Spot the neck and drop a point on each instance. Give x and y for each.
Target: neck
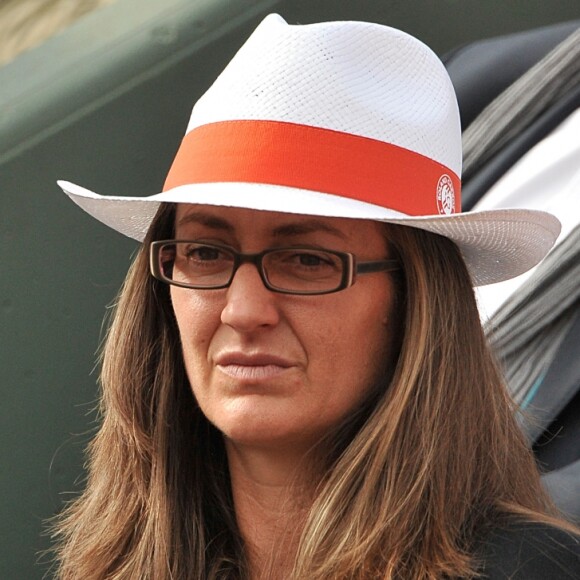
(272, 494)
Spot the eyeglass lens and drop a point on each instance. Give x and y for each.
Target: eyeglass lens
(291, 269)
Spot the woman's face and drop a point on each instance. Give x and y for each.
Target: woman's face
(278, 369)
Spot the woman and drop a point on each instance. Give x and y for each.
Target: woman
(295, 382)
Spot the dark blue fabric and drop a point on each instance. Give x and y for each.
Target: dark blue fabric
(530, 552)
(481, 70)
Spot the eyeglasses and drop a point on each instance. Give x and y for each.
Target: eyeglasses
(295, 270)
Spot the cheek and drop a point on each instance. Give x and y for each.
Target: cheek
(356, 346)
(366, 356)
(197, 321)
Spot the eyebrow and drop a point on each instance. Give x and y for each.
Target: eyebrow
(286, 230)
(206, 219)
(306, 227)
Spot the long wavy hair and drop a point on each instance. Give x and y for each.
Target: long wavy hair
(413, 479)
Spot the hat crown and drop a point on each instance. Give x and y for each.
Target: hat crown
(358, 78)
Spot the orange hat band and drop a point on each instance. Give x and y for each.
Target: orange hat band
(292, 155)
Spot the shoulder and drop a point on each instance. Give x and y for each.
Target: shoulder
(529, 551)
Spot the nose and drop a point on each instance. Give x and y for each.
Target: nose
(249, 304)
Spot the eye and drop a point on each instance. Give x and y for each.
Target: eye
(309, 259)
(312, 260)
(303, 261)
(195, 257)
(204, 253)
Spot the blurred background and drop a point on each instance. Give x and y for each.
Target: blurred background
(99, 92)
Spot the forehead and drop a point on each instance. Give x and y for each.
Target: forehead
(241, 220)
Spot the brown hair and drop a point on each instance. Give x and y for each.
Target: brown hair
(414, 479)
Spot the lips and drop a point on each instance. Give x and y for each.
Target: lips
(251, 360)
(252, 367)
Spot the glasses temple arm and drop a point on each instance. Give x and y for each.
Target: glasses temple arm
(378, 266)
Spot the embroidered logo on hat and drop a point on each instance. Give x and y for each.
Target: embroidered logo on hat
(445, 195)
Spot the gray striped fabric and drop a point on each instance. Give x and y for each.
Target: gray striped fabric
(530, 326)
(515, 108)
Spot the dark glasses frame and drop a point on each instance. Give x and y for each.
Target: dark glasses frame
(350, 267)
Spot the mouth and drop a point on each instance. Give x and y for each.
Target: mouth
(255, 367)
(252, 373)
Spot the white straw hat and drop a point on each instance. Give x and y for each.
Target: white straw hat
(342, 119)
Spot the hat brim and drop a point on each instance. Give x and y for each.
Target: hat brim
(496, 244)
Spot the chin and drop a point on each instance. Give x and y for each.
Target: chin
(265, 433)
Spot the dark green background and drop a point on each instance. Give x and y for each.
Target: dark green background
(104, 105)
